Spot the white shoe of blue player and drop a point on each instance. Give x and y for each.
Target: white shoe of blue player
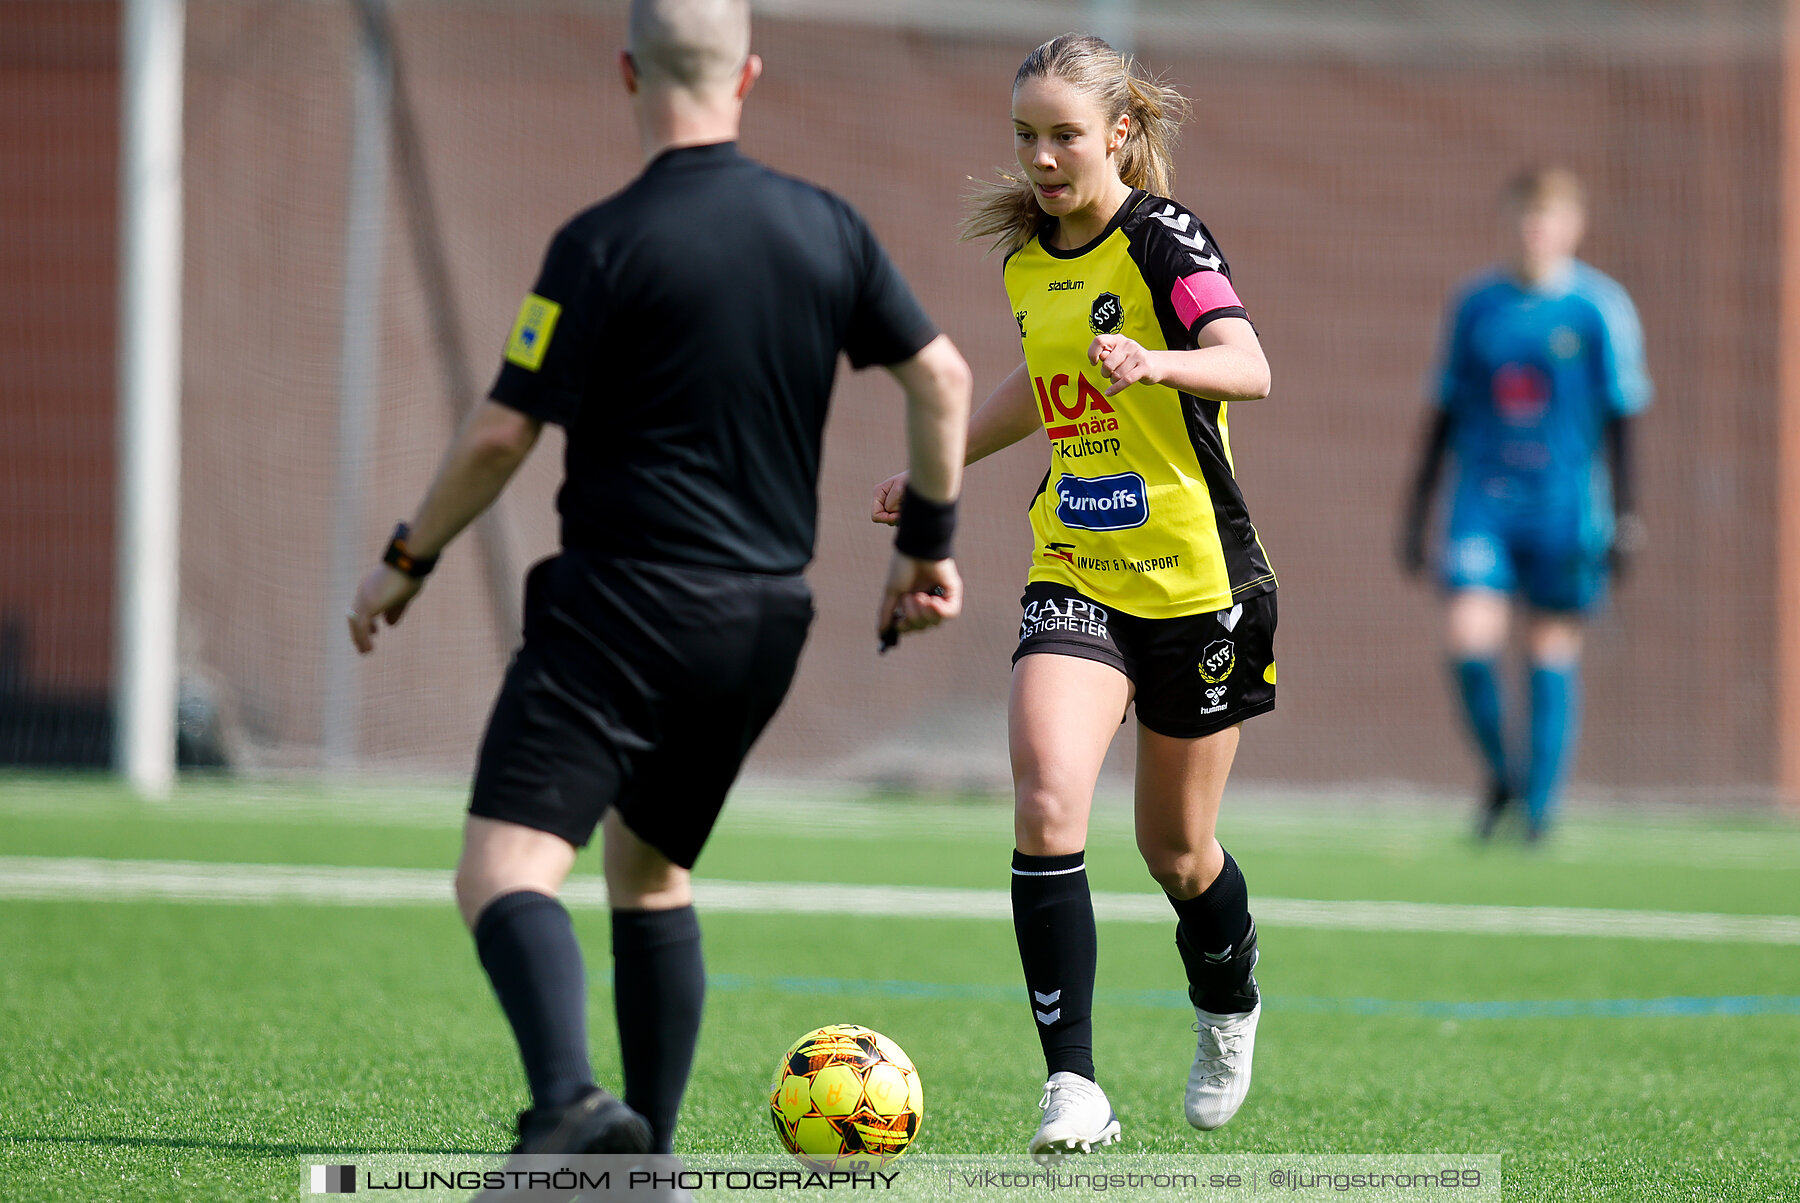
(1077, 1118)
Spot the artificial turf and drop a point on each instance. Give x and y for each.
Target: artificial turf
(174, 1050)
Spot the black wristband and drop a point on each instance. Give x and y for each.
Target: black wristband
(927, 527)
(397, 556)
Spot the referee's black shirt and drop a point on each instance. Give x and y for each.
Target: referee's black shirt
(685, 333)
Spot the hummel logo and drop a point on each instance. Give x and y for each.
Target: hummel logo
(1048, 1017)
(1215, 957)
(1229, 618)
(1047, 999)
(1196, 243)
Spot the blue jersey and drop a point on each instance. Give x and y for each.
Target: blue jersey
(1530, 378)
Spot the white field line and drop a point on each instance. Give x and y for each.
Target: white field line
(97, 880)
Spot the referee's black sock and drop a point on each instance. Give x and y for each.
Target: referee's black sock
(1053, 918)
(528, 947)
(659, 988)
(1217, 943)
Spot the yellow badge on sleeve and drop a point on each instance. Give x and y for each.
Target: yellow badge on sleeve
(531, 333)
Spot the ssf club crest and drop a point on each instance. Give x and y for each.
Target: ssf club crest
(1217, 661)
(1108, 314)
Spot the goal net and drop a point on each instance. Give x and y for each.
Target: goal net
(1348, 157)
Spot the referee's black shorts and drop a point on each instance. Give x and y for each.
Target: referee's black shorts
(1191, 676)
(640, 685)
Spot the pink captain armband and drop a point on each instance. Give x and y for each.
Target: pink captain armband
(1199, 294)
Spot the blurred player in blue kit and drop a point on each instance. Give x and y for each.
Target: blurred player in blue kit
(1541, 373)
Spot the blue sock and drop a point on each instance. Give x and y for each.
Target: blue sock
(1481, 707)
(1555, 726)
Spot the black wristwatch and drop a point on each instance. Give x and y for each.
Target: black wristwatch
(397, 556)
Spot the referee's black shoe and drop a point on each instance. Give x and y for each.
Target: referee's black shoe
(597, 1122)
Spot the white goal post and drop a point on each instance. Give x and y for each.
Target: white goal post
(149, 391)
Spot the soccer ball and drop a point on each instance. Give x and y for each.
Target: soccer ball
(846, 1098)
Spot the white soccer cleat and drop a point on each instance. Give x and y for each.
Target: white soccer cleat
(1220, 1078)
(1077, 1118)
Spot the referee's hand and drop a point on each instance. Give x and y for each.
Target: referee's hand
(384, 593)
(920, 594)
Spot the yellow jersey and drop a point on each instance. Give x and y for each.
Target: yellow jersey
(1140, 509)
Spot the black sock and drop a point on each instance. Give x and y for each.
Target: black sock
(527, 945)
(1053, 918)
(659, 987)
(1217, 943)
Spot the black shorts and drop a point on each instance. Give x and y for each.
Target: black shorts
(1193, 675)
(640, 685)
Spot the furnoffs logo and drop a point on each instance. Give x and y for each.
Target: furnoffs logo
(1102, 503)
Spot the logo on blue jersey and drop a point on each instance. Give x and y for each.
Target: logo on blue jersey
(1521, 393)
(1117, 502)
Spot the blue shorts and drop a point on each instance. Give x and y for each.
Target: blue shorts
(1547, 557)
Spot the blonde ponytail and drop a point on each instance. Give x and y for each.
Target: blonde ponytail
(1006, 211)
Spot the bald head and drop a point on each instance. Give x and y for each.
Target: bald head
(694, 44)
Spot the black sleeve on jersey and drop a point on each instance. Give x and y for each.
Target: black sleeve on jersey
(1224, 269)
(553, 391)
(888, 324)
(1171, 245)
(1432, 450)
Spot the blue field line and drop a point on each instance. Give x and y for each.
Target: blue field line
(1547, 1008)
(1523, 1008)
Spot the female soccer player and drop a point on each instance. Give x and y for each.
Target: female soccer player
(1148, 582)
(1543, 365)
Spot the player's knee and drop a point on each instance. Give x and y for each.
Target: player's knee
(479, 881)
(1561, 659)
(1181, 872)
(1477, 622)
(474, 890)
(638, 875)
(1047, 821)
(1556, 646)
(648, 887)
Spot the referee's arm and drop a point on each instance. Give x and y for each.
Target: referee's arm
(925, 590)
(487, 451)
(937, 383)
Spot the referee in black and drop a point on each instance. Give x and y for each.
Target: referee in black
(685, 333)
